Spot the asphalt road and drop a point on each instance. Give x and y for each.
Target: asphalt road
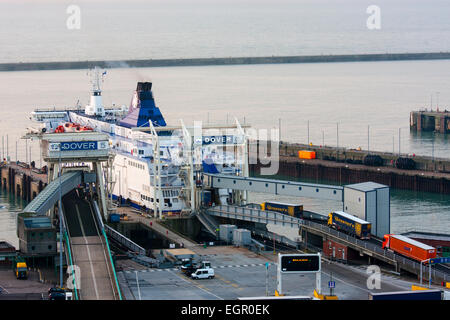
(239, 275)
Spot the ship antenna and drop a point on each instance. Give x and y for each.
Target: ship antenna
(97, 78)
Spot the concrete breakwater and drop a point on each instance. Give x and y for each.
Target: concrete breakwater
(345, 166)
(148, 63)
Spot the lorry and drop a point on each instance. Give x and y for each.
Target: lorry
(20, 268)
(350, 224)
(294, 210)
(408, 247)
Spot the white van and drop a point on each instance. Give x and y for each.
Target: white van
(207, 273)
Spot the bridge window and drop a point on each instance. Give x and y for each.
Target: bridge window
(249, 183)
(267, 185)
(317, 190)
(300, 188)
(234, 181)
(334, 191)
(282, 187)
(218, 180)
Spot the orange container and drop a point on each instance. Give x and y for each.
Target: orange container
(305, 154)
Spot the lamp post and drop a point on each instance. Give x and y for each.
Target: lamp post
(60, 223)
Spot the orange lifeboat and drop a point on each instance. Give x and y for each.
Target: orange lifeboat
(72, 127)
(59, 129)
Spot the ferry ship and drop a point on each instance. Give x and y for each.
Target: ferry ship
(151, 160)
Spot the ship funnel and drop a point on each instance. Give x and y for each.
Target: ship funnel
(142, 109)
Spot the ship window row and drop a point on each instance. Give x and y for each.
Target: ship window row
(136, 165)
(147, 198)
(170, 193)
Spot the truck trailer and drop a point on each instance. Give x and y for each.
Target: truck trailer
(408, 247)
(294, 210)
(347, 223)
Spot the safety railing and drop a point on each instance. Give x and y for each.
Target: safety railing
(117, 236)
(112, 265)
(406, 263)
(255, 215)
(74, 275)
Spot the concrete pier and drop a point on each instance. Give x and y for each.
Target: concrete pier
(345, 166)
(21, 180)
(437, 121)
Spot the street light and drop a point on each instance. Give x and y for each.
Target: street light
(60, 223)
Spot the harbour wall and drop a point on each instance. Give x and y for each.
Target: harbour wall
(148, 63)
(21, 180)
(345, 166)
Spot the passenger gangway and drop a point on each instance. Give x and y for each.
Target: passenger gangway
(47, 198)
(278, 187)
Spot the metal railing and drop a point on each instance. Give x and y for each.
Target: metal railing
(255, 215)
(117, 236)
(111, 264)
(406, 263)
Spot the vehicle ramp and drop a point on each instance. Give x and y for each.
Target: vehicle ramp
(89, 249)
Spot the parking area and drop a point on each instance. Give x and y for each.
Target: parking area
(29, 289)
(241, 273)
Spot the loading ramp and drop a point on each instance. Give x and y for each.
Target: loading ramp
(90, 250)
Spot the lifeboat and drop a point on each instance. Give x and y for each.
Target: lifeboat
(72, 127)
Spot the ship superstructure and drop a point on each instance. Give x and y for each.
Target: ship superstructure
(153, 165)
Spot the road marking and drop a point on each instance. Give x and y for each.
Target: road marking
(191, 282)
(3, 289)
(107, 262)
(88, 251)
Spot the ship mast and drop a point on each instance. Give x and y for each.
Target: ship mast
(95, 106)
